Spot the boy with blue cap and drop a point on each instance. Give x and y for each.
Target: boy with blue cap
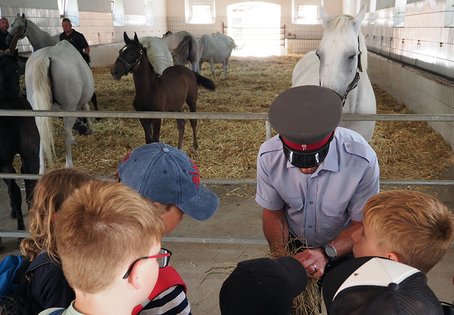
(169, 179)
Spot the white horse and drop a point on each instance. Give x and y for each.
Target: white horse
(37, 37)
(216, 48)
(184, 48)
(340, 63)
(157, 53)
(58, 78)
(157, 50)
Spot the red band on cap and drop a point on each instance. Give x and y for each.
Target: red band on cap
(307, 147)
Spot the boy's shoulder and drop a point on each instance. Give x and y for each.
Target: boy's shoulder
(54, 311)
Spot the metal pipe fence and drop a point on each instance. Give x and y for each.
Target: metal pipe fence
(232, 116)
(225, 181)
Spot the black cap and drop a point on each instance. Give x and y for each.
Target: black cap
(263, 286)
(375, 285)
(305, 114)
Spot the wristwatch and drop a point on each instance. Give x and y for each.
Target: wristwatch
(330, 251)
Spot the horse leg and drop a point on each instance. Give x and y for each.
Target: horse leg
(86, 107)
(224, 66)
(15, 202)
(156, 129)
(69, 139)
(212, 68)
(42, 163)
(15, 198)
(195, 143)
(146, 125)
(180, 127)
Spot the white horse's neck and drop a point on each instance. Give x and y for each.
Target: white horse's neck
(39, 38)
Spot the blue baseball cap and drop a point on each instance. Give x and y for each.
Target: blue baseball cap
(165, 174)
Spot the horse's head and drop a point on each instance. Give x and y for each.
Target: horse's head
(339, 52)
(19, 26)
(9, 75)
(129, 57)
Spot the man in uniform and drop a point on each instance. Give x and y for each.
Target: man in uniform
(313, 178)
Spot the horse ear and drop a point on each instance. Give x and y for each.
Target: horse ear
(135, 37)
(360, 16)
(126, 38)
(323, 15)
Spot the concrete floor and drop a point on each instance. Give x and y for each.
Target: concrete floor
(206, 252)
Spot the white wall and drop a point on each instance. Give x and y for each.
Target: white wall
(421, 92)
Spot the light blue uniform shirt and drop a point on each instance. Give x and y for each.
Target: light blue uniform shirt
(318, 206)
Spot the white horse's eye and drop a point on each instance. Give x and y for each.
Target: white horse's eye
(351, 57)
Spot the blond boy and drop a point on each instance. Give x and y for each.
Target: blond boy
(405, 226)
(108, 238)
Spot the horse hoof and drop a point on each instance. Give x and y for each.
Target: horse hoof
(194, 151)
(81, 128)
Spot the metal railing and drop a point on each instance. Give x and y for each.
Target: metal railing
(222, 116)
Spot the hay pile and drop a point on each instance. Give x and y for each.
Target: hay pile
(228, 148)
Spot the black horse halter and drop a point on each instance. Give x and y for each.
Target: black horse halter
(133, 65)
(355, 80)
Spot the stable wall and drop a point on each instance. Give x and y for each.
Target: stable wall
(423, 93)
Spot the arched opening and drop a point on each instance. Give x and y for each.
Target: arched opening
(256, 28)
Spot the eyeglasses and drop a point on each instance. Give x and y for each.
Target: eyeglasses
(306, 159)
(162, 258)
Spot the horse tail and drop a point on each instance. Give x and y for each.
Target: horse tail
(42, 100)
(205, 82)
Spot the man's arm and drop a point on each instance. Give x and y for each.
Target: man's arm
(87, 50)
(275, 229)
(315, 260)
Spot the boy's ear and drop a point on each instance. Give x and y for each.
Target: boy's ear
(134, 276)
(394, 257)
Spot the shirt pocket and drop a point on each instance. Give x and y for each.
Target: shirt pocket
(332, 218)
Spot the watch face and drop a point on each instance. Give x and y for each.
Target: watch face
(330, 251)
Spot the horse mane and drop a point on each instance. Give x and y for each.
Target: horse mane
(146, 54)
(339, 22)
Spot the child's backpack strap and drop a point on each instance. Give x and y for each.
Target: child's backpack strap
(12, 274)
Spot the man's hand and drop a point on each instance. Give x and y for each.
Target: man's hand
(314, 260)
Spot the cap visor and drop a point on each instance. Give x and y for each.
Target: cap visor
(202, 206)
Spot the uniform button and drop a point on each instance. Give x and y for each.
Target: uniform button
(311, 202)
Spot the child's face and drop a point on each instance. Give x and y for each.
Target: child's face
(172, 217)
(367, 243)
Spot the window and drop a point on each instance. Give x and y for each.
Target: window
(117, 12)
(200, 11)
(449, 13)
(149, 12)
(70, 10)
(383, 4)
(306, 11)
(307, 14)
(399, 12)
